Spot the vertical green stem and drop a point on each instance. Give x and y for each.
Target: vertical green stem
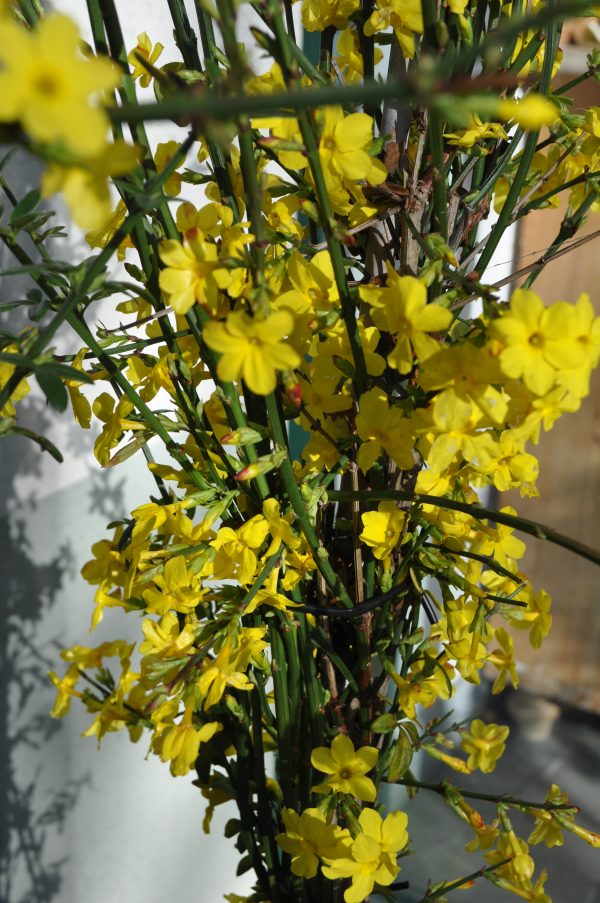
(320, 554)
(552, 34)
(436, 126)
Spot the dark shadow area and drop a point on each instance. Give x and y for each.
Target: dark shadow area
(26, 822)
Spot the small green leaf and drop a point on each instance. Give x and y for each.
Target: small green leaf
(52, 387)
(385, 724)
(25, 205)
(411, 730)
(233, 827)
(244, 865)
(400, 758)
(127, 451)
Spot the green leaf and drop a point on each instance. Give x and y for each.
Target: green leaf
(411, 729)
(400, 758)
(233, 827)
(385, 724)
(244, 865)
(25, 205)
(52, 387)
(127, 451)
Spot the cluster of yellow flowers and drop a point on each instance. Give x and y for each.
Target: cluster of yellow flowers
(367, 852)
(241, 571)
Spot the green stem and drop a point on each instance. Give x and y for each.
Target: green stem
(574, 82)
(285, 758)
(29, 11)
(320, 555)
(325, 210)
(314, 690)
(478, 511)
(505, 799)
(505, 216)
(484, 191)
(215, 105)
(461, 882)
(185, 36)
(436, 125)
(265, 822)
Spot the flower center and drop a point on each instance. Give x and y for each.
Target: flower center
(46, 84)
(536, 339)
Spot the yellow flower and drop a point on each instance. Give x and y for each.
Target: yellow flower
(279, 527)
(344, 145)
(176, 588)
(382, 529)
(536, 617)
(586, 331)
(548, 829)
(249, 647)
(50, 88)
(23, 389)
(423, 691)
(538, 341)
(349, 57)
(236, 556)
(346, 767)
(252, 349)
(371, 859)
(165, 151)
(389, 832)
(193, 273)
(521, 865)
(145, 50)
(320, 14)
(475, 131)
(532, 112)
(484, 744)
(221, 673)
(166, 639)
(65, 688)
(406, 18)
(309, 837)
(84, 184)
(102, 234)
(402, 309)
(503, 659)
(115, 423)
(180, 742)
(382, 428)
